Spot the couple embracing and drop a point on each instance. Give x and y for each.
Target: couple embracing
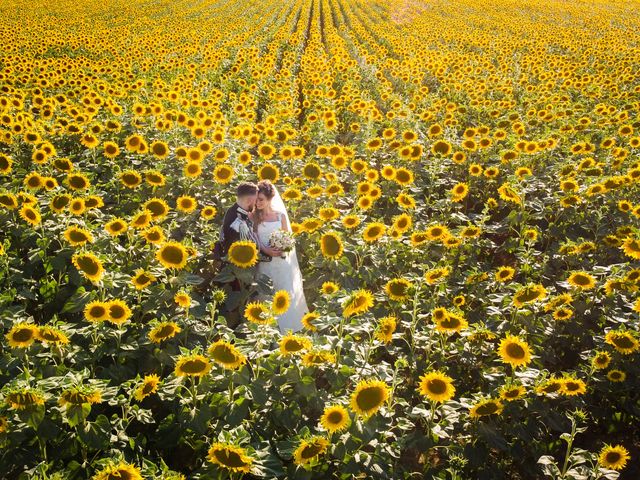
(259, 212)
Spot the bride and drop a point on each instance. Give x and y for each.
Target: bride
(269, 215)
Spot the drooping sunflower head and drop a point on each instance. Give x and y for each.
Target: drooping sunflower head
(192, 365)
(22, 398)
(52, 335)
(359, 301)
(386, 327)
(163, 331)
(119, 471)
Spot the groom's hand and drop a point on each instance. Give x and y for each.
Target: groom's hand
(273, 252)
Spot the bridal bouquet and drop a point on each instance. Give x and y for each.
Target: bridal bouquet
(282, 240)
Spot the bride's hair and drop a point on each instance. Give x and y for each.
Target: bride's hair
(266, 188)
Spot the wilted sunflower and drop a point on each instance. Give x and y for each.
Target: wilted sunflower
(89, 265)
(292, 344)
(613, 456)
(368, 397)
(486, 407)
(373, 231)
(398, 289)
(514, 351)
(172, 255)
(149, 385)
(163, 331)
(230, 457)
(313, 358)
(192, 365)
(78, 395)
(119, 471)
(310, 449)
(243, 253)
(335, 418)
(331, 245)
(280, 302)
(437, 386)
(359, 301)
(226, 355)
(23, 398)
(22, 335)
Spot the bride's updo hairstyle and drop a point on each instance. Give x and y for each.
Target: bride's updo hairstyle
(266, 188)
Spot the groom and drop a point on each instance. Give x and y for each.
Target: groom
(236, 224)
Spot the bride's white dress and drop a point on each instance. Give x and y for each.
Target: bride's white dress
(285, 275)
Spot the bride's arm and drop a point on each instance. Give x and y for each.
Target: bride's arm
(283, 221)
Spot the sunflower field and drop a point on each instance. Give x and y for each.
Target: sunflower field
(463, 182)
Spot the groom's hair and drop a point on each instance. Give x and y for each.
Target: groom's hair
(246, 188)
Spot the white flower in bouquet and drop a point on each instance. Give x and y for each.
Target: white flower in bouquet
(282, 240)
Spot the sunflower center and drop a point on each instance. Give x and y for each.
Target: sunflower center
(487, 408)
(612, 457)
(369, 398)
(437, 386)
(194, 366)
(88, 265)
(229, 458)
(623, 342)
(173, 254)
(335, 417)
(223, 354)
(515, 351)
(23, 335)
(311, 450)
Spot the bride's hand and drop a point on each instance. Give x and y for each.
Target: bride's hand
(273, 252)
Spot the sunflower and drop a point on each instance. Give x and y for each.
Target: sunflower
(208, 212)
(111, 149)
(96, 311)
(78, 395)
(550, 386)
(22, 335)
(292, 344)
(269, 171)
(130, 178)
(182, 299)
(373, 231)
(230, 457)
(149, 385)
(335, 418)
(451, 323)
(437, 232)
(141, 220)
(631, 247)
(78, 181)
(508, 194)
(122, 471)
(437, 386)
(163, 331)
(441, 147)
(601, 360)
(582, 280)
(77, 236)
(386, 327)
(30, 215)
(398, 289)
(89, 265)
(613, 456)
(329, 288)
(243, 253)
(350, 221)
(331, 245)
(52, 335)
(226, 355)
(459, 191)
(172, 255)
(622, 341)
(616, 376)
(529, 294)
(310, 449)
(504, 274)
(280, 302)
(436, 274)
(21, 399)
(314, 358)
(192, 365)
(157, 207)
(118, 311)
(359, 301)
(486, 407)
(514, 351)
(223, 174)
(258, 312)
(116, 226)
(509, 393)
(308, 319)
(368, 397)
(403, 176)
